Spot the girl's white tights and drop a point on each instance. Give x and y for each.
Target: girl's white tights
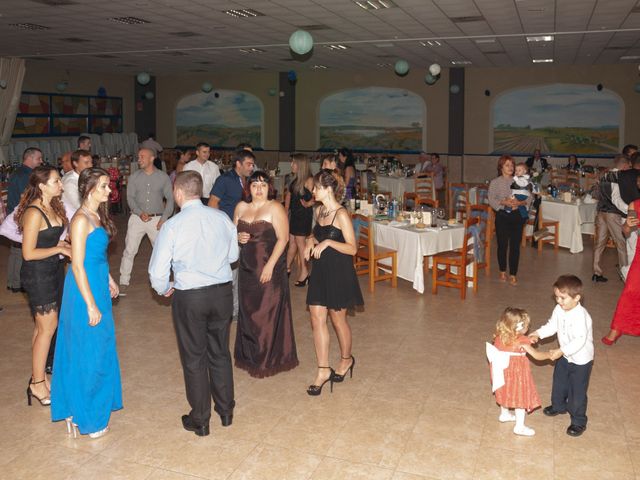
(521, 428)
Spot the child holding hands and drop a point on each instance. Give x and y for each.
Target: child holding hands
(571, 322)
(510, 370)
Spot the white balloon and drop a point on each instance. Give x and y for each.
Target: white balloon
(435, 69)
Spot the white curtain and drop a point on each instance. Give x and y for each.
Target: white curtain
(12, 72)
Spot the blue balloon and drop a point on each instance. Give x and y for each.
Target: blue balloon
(292, 75)
(143, 78)
(301, 42)
(102, 92)
(402, 67)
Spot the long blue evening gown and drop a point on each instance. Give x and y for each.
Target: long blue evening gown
(86, 372)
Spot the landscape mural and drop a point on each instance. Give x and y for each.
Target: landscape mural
(557, 119)
(223, 118)
(372, 118)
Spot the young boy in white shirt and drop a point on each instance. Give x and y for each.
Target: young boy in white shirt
(571, 322)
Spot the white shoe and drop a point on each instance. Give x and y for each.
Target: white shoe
(99, 433)
(524, 431)
(507, 417)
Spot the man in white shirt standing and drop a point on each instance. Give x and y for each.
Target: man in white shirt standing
(208, 170)
(80, 160)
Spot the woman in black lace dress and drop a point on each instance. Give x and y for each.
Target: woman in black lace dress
(42, 219)
(333, 285)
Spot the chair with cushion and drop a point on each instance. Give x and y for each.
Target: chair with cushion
(458, 199)
(367, 260)
(482, 235)
(454, 273)
(424, 186)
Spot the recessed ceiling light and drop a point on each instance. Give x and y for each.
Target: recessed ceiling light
(129, 20)
(243, 13)
(431, 43)
(460, 62)
(540, 38)
(336, 47)
(28, 26)
(319, 67)
(630, 57)
(374, 4)
(542, 60)
(485, 40)
(252, 50)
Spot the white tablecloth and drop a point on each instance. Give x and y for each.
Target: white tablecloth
(574, 221)
(396, 185)
(413, 245)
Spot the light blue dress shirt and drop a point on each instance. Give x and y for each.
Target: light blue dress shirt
(198, 244)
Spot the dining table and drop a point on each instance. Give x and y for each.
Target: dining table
(396, 185)
(576, 218)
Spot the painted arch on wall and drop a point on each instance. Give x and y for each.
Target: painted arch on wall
(223, 118)
(372, 118)
(557, 119)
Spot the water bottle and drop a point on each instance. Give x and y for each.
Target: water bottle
(391, 209)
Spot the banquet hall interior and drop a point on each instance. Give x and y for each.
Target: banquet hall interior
(389, 79)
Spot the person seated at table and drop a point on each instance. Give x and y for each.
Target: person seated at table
(437, 169)
(522, 188)
(424, 161)
(573, 165)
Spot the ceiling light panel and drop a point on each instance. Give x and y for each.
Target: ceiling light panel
(243, 13)
(540, 38)
(542, 60)
(28, 26)
(129, 20)
(336, 47)
(374, 4)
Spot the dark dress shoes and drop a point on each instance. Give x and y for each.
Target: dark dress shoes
(200, 430)
(576, 430)
(599, 278)
(550, 412)
(226, 420)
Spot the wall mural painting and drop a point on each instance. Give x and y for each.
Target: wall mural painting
(372, 118)
(557, 119)
(224, 118)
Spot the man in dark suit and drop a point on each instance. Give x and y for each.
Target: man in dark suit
(537, 162)
(627, 181)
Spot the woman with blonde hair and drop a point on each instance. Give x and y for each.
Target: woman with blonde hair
(299, 203)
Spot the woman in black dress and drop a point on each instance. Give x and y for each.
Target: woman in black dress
(265, 343)
(299, 203)
(333, 286)
(42, 219)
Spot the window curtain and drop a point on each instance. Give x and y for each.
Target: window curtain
(12, 72)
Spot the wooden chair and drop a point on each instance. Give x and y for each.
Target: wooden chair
(548, 236)
(482, 195)
(557, 176)
(424, 186)
(367, 259)
(458, 260)
(458, 200)
(485, 215)
(427, 202)
(409, 201)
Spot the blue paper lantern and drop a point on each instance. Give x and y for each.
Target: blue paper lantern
(301, 42)
(102, 92)
(143, 78)
(401, 67)
(430, 79)
(149, 95)
(206, 87)
(292, 76)
(455, 89)
(272, 92)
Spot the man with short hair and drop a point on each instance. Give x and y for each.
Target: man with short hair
(31, 158)
(65, 163)
(199, 244)
(537, 162)
(80, 160)
(627, 181)
(84, 143)
(208, 170)
(629, 150)
(150, 200)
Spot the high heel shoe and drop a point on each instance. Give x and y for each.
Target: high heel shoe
(337, 378)
(315, 390)
(45, 401)
(607, 341)
(302, 283)
(72, 428)
(99, 433)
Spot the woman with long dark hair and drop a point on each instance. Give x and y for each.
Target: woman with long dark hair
(41, 217)
(86, 385)
(348, 166)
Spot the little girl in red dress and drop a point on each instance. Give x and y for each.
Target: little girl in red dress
(510, 370)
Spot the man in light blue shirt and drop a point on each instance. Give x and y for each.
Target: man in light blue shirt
(199, 244)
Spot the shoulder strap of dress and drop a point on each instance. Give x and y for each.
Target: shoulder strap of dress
(335, 215)
(46, 219)
(93, 224)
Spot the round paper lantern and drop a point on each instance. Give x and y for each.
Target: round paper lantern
(206, 87)
(3, 84)
(301, 42)
(149, 95)
(102, 92)
(430, 79)
(455, 89)
(636, 87)
(487, 93)
(435, 69)
(401, 67)
(272, 92)
(143, 78)
(61, 86)
(292, 76)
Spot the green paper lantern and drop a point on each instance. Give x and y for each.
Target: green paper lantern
(272, 92)
(143, 78)
(207, 87)
(149, 95)
(401, 67)
(301, 42)
(430, 79)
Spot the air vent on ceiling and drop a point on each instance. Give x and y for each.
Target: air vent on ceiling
(319, 67)
(185, 34)
(175, 53)
(474, 18)
(244, 13)
(314, 27)
(383, 65)
(374, 4)
(105, 55)
(129, 20)
(75, 40)
(28, 26)
(460, 62)
(55, 3)
(431, 43)
(336, 47)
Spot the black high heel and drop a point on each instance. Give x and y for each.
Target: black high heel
(337, 378)
(45, 402)
(302, 283)
(315, 390)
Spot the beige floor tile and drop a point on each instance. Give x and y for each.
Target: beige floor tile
(45, 461)
(498, 464)
(100, 467)
(439, 459)
(333, 469)
(271, 463)
(410, 476)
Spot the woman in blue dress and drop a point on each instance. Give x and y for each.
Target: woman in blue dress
(86, 384)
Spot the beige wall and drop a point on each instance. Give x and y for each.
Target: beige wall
(43, 77)
(170, 89)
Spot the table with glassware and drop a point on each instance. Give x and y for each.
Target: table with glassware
(396, 185)
(413, 244)
(575, 219)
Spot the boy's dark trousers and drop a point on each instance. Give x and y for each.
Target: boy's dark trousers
(569, 390)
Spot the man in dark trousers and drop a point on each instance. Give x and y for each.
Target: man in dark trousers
(627, 181)
(200, 243)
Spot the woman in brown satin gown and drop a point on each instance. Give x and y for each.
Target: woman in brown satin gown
(265, 342)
